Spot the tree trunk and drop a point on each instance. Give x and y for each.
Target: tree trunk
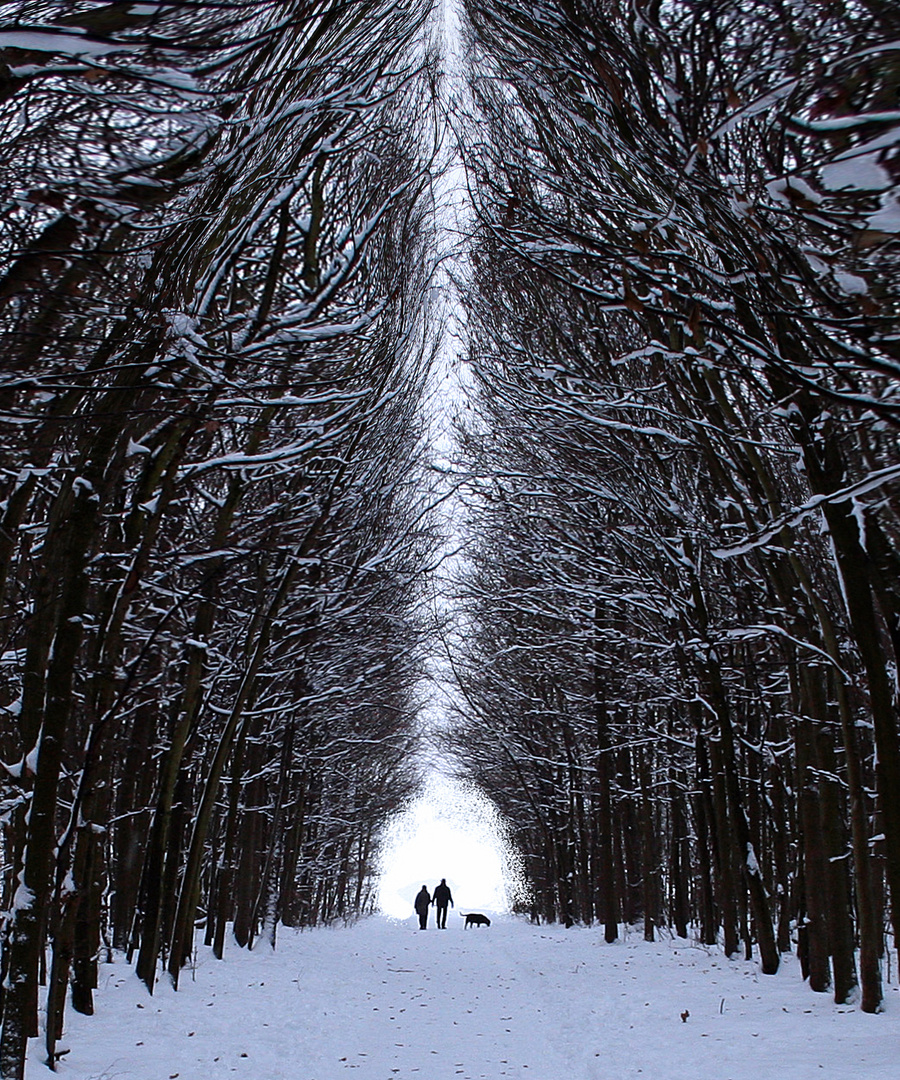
(648, 840)
(607, 871)
(679, 857)
(851, 560)
(750, 868)
(726, 886)
(66, 566)
(868, 923)
(815, 878)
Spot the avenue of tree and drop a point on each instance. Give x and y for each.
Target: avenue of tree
(213, 542)
(675, 639)
(680, 633)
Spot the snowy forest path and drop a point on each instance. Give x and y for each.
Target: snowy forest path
(381, 1000)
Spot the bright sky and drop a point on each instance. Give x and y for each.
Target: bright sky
(450, 832)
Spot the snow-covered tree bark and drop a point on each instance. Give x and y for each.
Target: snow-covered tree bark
(682, 346)
(212, 313)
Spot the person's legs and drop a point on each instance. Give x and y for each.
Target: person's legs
(423, 920)
(442, 917)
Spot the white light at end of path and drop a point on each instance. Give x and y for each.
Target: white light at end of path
(452, 832)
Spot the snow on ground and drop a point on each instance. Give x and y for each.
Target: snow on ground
(381, 1000)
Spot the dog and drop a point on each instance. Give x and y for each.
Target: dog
(474, 919)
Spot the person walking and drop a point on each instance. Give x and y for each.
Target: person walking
(441, 899)
(422, 904)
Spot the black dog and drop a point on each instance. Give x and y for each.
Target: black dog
(474, 919)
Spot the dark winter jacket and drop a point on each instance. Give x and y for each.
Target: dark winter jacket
(442, 895)
(423, 900)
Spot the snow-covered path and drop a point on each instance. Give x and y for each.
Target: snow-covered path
(381, 1000)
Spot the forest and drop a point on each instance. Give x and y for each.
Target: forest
(672, 639)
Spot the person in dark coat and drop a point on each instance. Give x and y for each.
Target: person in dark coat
(441, 899)
(422, 904)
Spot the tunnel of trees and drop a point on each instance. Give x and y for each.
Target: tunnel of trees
(674, 639)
